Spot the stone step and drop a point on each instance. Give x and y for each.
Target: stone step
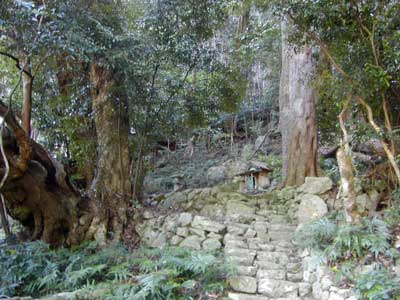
(236, 296)
(264, 265)
(244, 284)
(273, 257)
(277, 288)
(280, 235)
(246, 270)
(240, 260)
(276, 218)
(239, 252)
(271, 274)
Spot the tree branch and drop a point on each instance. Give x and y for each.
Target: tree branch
(17, 63)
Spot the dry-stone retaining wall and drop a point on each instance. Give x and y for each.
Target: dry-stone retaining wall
(255, 234)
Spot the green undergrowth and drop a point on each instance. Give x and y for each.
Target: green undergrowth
(361, 254)
(157, 274)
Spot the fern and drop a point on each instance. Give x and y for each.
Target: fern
(146, 274)
(79, 277)
(346, 246)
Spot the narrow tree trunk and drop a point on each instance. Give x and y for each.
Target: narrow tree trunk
(27, 86)
(111, 187)
(3, 217)
(347, 189)
(297, 113)
(137, 186)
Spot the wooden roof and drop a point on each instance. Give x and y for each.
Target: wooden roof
(256, 167)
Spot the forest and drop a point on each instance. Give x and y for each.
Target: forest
(200, 149)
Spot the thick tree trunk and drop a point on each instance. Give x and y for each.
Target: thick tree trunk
(111, 188)
(297, 113)
(38, 193)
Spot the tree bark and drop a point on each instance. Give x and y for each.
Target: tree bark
(297, 113)
(37, 191)
(343, 155)
(3, 217)
(39, 194)
(111, 187)
(27, 89)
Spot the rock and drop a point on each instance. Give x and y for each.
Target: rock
(153, 238)
(185, 219)
(170, 223)
(214, 236)
(235, 244)
(280, 235)
(182, 231)
(216, 174)
(174, 199)
(147, 214)
(240, 260)
(311, 207)
(247, 270)
(277, 219)
(192, 242)
(238, 208)
(260, 226)
(206, 224)
(271, 274)
(287, 193)
(304, 289)
(295, 277)
(237, 228)
(198, 232)
(318, 293)
(176, 240)
(334, 296)
(280, 258)
(266, 265)
(250, 233)
(214, 212)
(244, 284)
(211, 244)
(326, 283)
(235, 296)
(316, 185)
(363, 203)
(277, 288)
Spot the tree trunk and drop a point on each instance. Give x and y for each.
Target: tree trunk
(27, 89)
(39, 194)
(297, 113)
(343, 156)
(111, 188)
(3, 217)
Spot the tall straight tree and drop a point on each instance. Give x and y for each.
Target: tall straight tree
(297, 112)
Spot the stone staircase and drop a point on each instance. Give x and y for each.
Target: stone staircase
(267, 262)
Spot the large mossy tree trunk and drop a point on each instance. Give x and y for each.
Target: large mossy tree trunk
(38, 192)
(297, 113)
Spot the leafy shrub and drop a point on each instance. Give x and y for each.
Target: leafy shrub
(330, 169)
(347, 247)
(169, 273)
(247, 151)
(378, 285)
(275, 163)
(348, 241)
